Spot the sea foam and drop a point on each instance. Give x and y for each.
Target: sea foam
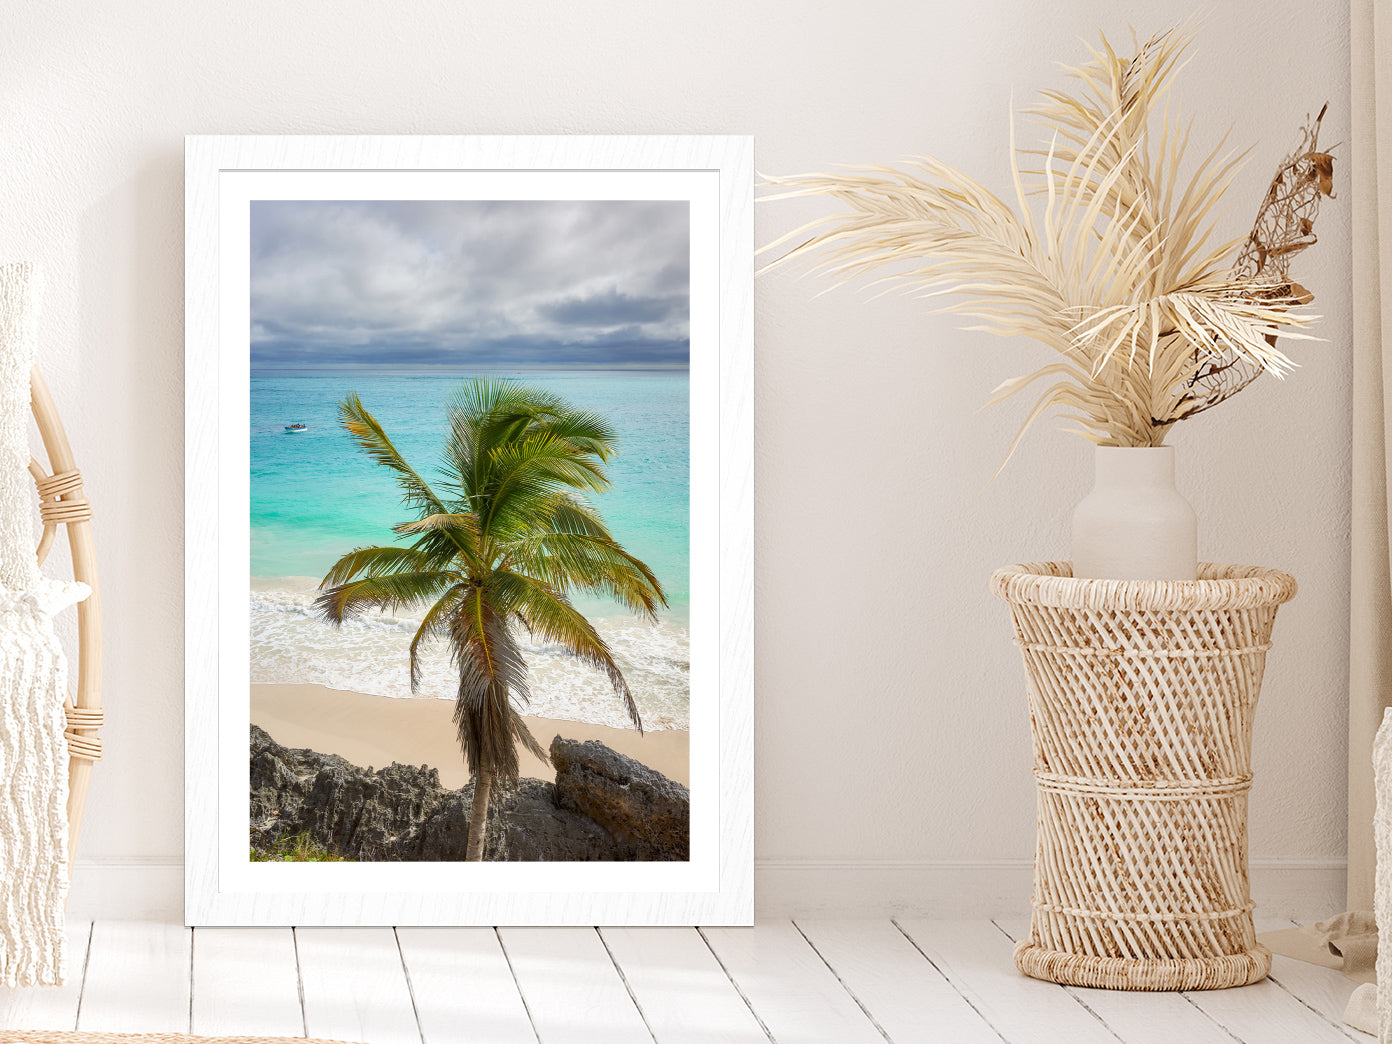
(291, 645)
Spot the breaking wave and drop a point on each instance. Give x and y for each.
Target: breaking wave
(291, 645)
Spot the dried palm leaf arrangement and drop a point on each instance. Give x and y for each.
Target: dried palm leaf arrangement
(1154, 321)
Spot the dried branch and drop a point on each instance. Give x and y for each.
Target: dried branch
(1284, 227)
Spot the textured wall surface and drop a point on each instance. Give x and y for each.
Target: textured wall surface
(890, 709)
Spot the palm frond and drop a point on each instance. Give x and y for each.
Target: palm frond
(548, 615)
(374, 441)
(523, 735)
(389, 593)
(491, 673)
(485, 415)
(582, 562)
(1221, 317)
(435, 624)
(568, 513)
(536, 468)
(447, 521)
(377, 561)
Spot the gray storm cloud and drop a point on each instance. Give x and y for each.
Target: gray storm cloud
(525, 284)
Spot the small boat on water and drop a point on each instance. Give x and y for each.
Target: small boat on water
(296, 427)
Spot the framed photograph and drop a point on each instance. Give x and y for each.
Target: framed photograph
(469, 544)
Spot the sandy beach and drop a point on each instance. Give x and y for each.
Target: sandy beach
(377, 730)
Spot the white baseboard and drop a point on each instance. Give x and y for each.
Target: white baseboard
(1298, 889)
(152, 890)
(864, 888)
(1302, 890)
(127, 890)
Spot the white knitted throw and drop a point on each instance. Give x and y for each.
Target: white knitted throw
(33, 682)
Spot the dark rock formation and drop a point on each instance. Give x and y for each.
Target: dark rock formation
(403, 813)
(644, 811)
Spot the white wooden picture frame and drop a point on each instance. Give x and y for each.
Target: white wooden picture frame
(223, 176)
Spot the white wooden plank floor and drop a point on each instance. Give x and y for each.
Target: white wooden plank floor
(816, 981)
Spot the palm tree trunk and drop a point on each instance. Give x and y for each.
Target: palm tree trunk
(478, 816)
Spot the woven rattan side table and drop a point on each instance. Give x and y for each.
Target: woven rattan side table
(1141, 696)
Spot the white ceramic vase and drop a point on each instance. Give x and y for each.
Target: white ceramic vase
(1134, 525)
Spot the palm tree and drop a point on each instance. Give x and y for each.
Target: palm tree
(504, 543)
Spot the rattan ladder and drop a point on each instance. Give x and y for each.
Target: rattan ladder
(62, 502)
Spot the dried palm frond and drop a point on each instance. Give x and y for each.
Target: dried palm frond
(1118, 273)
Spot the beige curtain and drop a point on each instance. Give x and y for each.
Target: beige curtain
(1370, 654)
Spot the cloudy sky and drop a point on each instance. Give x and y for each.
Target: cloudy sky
(530, 284)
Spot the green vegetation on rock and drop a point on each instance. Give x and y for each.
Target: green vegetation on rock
(297, 848)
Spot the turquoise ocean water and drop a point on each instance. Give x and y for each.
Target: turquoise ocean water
(315, 496)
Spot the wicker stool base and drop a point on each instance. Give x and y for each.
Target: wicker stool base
(1141, 696)
(1129, 973)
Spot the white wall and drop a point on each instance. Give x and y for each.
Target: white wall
(892, 738)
